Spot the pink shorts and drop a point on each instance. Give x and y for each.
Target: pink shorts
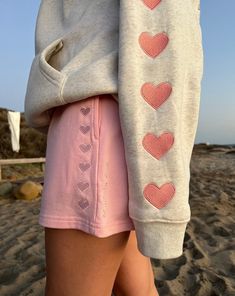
(85, 180)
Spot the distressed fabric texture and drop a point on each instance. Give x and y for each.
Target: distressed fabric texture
(148, 54)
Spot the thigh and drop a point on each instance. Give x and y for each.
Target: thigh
(78, 263)
(135, 276)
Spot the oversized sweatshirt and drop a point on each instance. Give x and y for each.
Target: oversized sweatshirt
(148, 54)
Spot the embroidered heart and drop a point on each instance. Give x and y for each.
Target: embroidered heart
(153, 45)
(83, 203)
(84, 129)
(83, 185)
(85, 147)
(151, 3)
(158, 146)
(159, 197)
(85, 111)
(156, 95)
(84, 166)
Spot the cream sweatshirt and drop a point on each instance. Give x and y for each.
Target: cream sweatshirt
(148, 54)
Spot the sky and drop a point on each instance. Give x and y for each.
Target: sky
(216, 123)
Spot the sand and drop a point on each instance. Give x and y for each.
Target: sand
(206, 268)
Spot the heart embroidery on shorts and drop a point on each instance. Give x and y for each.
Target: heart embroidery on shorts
(84, 166)
(153, 45)
(159, 197)
(158, 146)
(83, 203)
(83, 185)
(84, 129)
(85, 147)
(151, 3)
(85, 111)
(156, 95)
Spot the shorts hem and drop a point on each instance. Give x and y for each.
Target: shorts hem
(90, 228)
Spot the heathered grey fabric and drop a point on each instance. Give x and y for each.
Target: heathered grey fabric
(85, 48)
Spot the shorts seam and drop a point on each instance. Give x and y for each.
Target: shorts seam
(97, 166)
(95, 116)
(51, 218)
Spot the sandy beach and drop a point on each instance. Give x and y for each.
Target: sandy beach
(206, 268)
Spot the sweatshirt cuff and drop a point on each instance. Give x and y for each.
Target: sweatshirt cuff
(160, 240)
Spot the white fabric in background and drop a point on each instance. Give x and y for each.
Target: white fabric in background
(14, 123)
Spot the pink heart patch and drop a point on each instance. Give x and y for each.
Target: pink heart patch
(83, 203)
(84, 166)
(151, 3)
(85, 147)
(159, 197)
(84, 129)
(83, 185)
(158, 146)
(153, 45)
(85, 111)
(156, 95)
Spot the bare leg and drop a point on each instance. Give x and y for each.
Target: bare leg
(80, 264)
(135, 276)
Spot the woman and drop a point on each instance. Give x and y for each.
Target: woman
(115, 85)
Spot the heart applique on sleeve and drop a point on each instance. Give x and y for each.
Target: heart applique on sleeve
(156, 95)
(158, 146)
(159, 197)
(153, 45)
(152, 3)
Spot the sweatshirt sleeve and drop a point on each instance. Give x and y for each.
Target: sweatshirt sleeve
(160, 69)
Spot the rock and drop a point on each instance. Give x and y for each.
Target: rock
(220, 149)
(5, 188)
(28, 190)
(232, 151)
(223, 198)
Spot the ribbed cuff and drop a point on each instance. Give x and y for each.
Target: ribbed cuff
(160, 240)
